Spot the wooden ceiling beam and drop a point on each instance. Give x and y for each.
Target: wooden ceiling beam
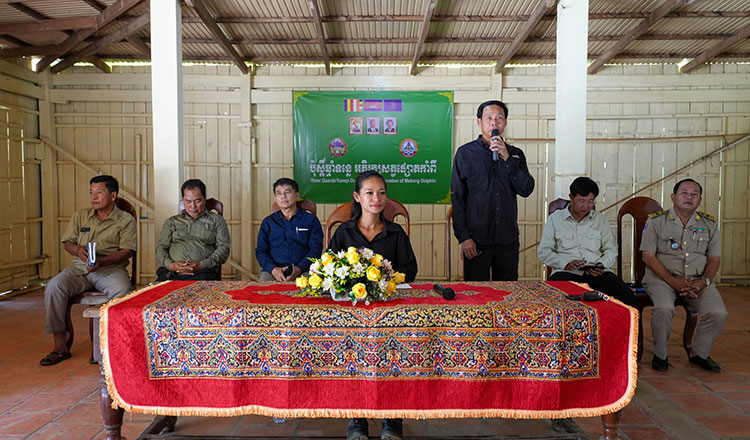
(91, 49)
(320, 33)
(468, 18)
(717, 49)
(656, 15)
(108, 15)
(210, 23)
(139, 45)
(27, 51)
(99, 64)
(424, 28)
(45, 25)
(523, 33)
(95, 4)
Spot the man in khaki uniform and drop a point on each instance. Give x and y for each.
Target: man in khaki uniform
(114, 233)
(194, 243)
(681, 249)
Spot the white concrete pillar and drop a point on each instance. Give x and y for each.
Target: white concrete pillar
(166, 102)
(570, 91)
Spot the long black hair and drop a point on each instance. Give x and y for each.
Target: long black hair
(361, 177)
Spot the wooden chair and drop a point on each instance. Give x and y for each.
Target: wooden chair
(211, 204)
(639, 208)
(96, 298)
(393, 208)
(555, 205)
(303, 205)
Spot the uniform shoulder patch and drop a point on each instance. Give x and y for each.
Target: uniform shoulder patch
(706, 216)
(658, 213)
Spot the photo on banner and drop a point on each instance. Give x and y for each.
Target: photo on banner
(405, 136)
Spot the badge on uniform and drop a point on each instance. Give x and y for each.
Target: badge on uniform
(674, 245)
(86, 229)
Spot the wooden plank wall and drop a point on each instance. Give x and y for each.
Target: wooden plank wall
(644, 122)
(20, 183)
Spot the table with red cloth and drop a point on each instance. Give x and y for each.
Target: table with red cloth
(499, 349)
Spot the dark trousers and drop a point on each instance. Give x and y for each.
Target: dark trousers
(607, 283)
(210, 274)
(501, 258)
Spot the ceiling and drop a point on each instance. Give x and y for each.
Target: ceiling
(408, 32)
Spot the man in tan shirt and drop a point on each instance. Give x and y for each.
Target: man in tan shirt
(114, 233)
(682, 251)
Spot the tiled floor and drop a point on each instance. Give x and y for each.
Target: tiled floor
(62, 401)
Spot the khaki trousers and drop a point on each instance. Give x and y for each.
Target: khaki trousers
(112, 281)
(710, 306)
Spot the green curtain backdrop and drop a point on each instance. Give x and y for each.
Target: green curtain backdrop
(406, 136)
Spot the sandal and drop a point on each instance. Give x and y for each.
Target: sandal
(55, 357)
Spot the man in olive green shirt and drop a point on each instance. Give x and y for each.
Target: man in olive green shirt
(114, 233)
(194, 243)
(682, 251)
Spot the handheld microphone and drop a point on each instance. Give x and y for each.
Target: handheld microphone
(447, 292)
(495, 154)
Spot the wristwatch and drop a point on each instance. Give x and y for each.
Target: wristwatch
(708, 281)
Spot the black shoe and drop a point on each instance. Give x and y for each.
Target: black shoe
(393, 429)
(357, 429)
(707, 364)
(660, 364)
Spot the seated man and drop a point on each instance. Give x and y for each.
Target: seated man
(114, 233)
(194, 243)
(682, 251)
(578, 244)
(288, 237)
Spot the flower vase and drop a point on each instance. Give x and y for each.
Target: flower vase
(339, 298)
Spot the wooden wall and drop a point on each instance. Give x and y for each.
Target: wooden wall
(20, 180)
(643, 123)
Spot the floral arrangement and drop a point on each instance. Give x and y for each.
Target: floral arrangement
(355, 274)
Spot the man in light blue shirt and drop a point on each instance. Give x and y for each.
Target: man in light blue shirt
(288, 237)
(578, 244)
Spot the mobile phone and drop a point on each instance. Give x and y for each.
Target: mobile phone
(289, 270)
(590, 266)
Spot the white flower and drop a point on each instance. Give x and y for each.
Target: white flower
(387, 264)
(367, 253)
(342, 272)
(383, 284)
(329, 269)
(341, 254)
(358, 269)
(328, 285)
(314, 267)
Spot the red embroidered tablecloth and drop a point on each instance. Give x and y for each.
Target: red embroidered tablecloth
(502, 349)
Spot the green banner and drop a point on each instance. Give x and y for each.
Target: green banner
(406, 136)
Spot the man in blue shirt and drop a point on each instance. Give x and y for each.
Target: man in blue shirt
(288, 237)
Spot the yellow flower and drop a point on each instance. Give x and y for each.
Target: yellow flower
(399, 277)
(315, 281)
(391, 287)
(326, 258)
(373, 273)
(360, 291)
(301, 282)
(352, 257)
(376, 260)
(351, 250)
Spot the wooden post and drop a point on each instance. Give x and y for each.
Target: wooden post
(246, 146)
(50, 212)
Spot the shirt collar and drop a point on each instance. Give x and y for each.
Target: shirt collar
(569, 215)
(187, 216)
(113, 214)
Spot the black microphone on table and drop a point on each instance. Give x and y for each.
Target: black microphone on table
(495, 154)
(447, 292)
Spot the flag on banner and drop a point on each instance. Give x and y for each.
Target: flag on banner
(353, 105)
(393, 105)
(373, 105)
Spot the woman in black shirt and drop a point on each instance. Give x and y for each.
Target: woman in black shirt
(368, 228)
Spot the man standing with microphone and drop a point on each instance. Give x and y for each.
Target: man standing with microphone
(487, 176)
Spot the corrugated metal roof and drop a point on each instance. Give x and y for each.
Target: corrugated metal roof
(468, 31)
